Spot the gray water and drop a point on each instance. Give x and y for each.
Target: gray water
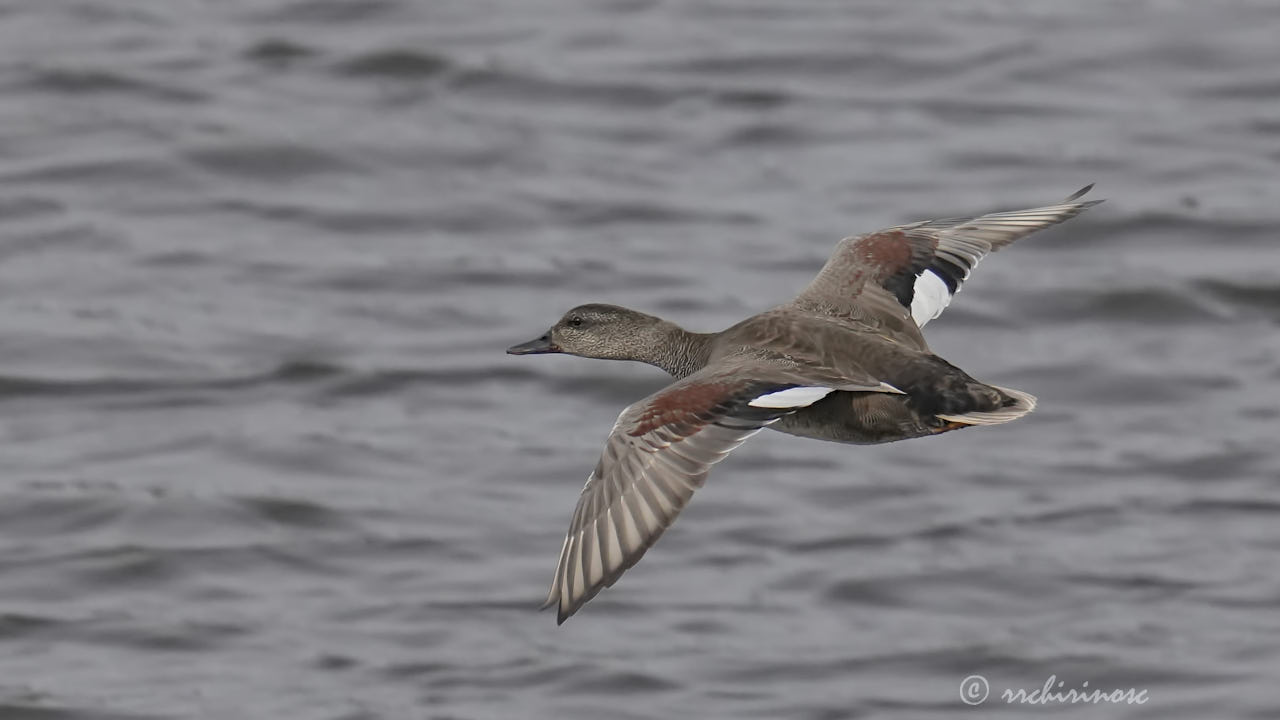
(264, 457)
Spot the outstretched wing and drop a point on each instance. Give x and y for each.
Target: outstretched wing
(914, 270)
(658, 453)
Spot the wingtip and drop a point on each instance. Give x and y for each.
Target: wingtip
(1074, 205)
(562, 613)
(1080, 194)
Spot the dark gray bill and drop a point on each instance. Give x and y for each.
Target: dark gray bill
(533, 347)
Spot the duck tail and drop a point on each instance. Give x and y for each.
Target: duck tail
(1016, 404)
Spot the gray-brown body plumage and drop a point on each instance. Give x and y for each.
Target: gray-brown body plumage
(844, 361)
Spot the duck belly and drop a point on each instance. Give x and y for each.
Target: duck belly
(862, 418)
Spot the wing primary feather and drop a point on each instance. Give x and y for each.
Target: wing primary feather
(630, 531)
(595, 557)
(554, 594)
(648, 519)
(1080, 193)
(613, 539)
(579, 587)
(567, 589)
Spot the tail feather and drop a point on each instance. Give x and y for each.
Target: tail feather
(1017, 405)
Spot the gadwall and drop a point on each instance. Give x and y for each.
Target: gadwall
(843, 361)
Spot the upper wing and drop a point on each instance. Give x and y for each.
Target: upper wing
(658, 453)
(915, 269)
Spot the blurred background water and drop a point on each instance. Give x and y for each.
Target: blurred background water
(263, 455)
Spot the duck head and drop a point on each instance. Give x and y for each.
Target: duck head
(600, 331)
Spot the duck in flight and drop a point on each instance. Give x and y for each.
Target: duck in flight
(843, 361)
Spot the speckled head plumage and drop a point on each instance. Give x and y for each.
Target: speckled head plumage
(597, 330)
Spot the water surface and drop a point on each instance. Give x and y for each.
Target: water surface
(264, 456)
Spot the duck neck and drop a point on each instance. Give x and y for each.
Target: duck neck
(678, 351)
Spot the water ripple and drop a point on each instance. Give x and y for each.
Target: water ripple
(265, 457)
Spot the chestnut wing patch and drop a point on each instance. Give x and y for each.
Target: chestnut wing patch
(923, 265)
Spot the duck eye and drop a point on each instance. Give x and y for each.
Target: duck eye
(575, 322)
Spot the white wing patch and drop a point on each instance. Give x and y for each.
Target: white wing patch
(930, 298)
(796, 397)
